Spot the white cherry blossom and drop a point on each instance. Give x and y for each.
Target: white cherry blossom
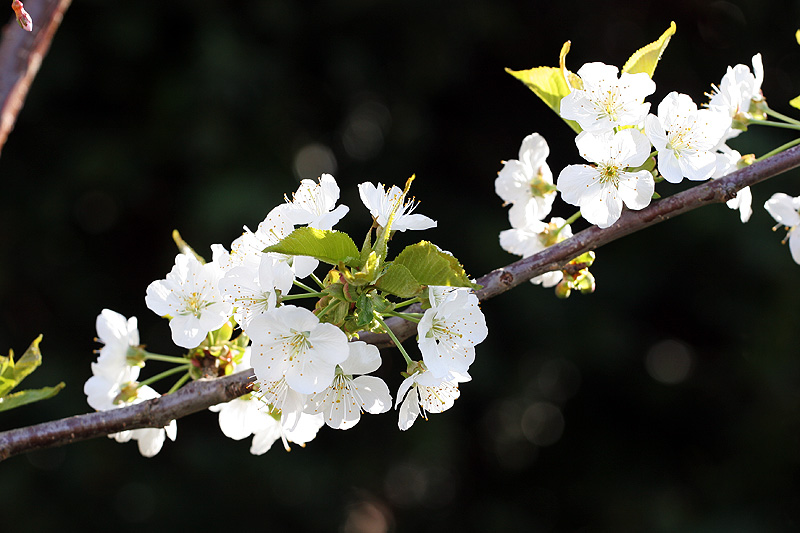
(786, 211)
(303, 432)
(381, 203)
(607, 101)
(314, 204)
(190, 297)
(109, 389)
(450, 329)
(252, 291)
(290, 342)
(345, 399)
(685, 138)
(737, 91)
(248, 249)
(118, 336)
(728, 161)
(422, 393)
(527, 183)
(601, 190)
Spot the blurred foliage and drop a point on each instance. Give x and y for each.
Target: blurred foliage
(669, 400)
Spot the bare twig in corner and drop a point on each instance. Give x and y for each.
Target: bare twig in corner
(21, 54)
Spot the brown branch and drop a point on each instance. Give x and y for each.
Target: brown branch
(200, 395)
(194, 397)
(21, 54)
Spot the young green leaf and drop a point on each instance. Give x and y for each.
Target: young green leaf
(399, 281)
(12, 373)
(646, 58)
(24, 397)
(430, 265)
(550, 84)
(332, 247)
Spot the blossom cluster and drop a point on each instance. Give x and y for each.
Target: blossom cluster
(234, 313)
(628, 149)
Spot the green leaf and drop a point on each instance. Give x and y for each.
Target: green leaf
(797, 36)
(11, 373)
(332, 247)
(646, 58)
(550, 84)
(28, 396)
(431, 266)
(795, 102)
(399, 281)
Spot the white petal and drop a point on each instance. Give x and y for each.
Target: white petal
(636, 189)
(794, 245)
(574, 181)
(373, 393)
(782, 209)
(409, 411)
(363, 358)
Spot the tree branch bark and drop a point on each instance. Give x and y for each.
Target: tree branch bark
(202, 394)
(21, 54)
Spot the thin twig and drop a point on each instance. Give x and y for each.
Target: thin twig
(21, 54)
(202, 394)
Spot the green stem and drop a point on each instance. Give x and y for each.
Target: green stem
(771, 112)
(180, 382)
(330, 306)
(298, 296)
(165, 358)
(391, 334)
(779, 149)
(411, 317)
(408, 302)
(773, 124)
(164, 374)
(569, 221)
(303, 286)
(317, 281)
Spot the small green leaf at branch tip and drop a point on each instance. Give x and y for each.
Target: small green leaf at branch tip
(332, 247)
(550, 84)
(795, 102)
(12, 373)
(646, 58)
(25, 397)
(797, 36)
(184, 248)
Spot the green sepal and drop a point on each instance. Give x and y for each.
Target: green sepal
(645, 59)
(24, 397)
(332, 247)
(550, 84)
(365, 310)
(366, 248)
(370, 270)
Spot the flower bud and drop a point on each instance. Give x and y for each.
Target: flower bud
(563, 290)
(23, 18)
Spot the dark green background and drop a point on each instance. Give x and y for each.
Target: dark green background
(149, 116)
